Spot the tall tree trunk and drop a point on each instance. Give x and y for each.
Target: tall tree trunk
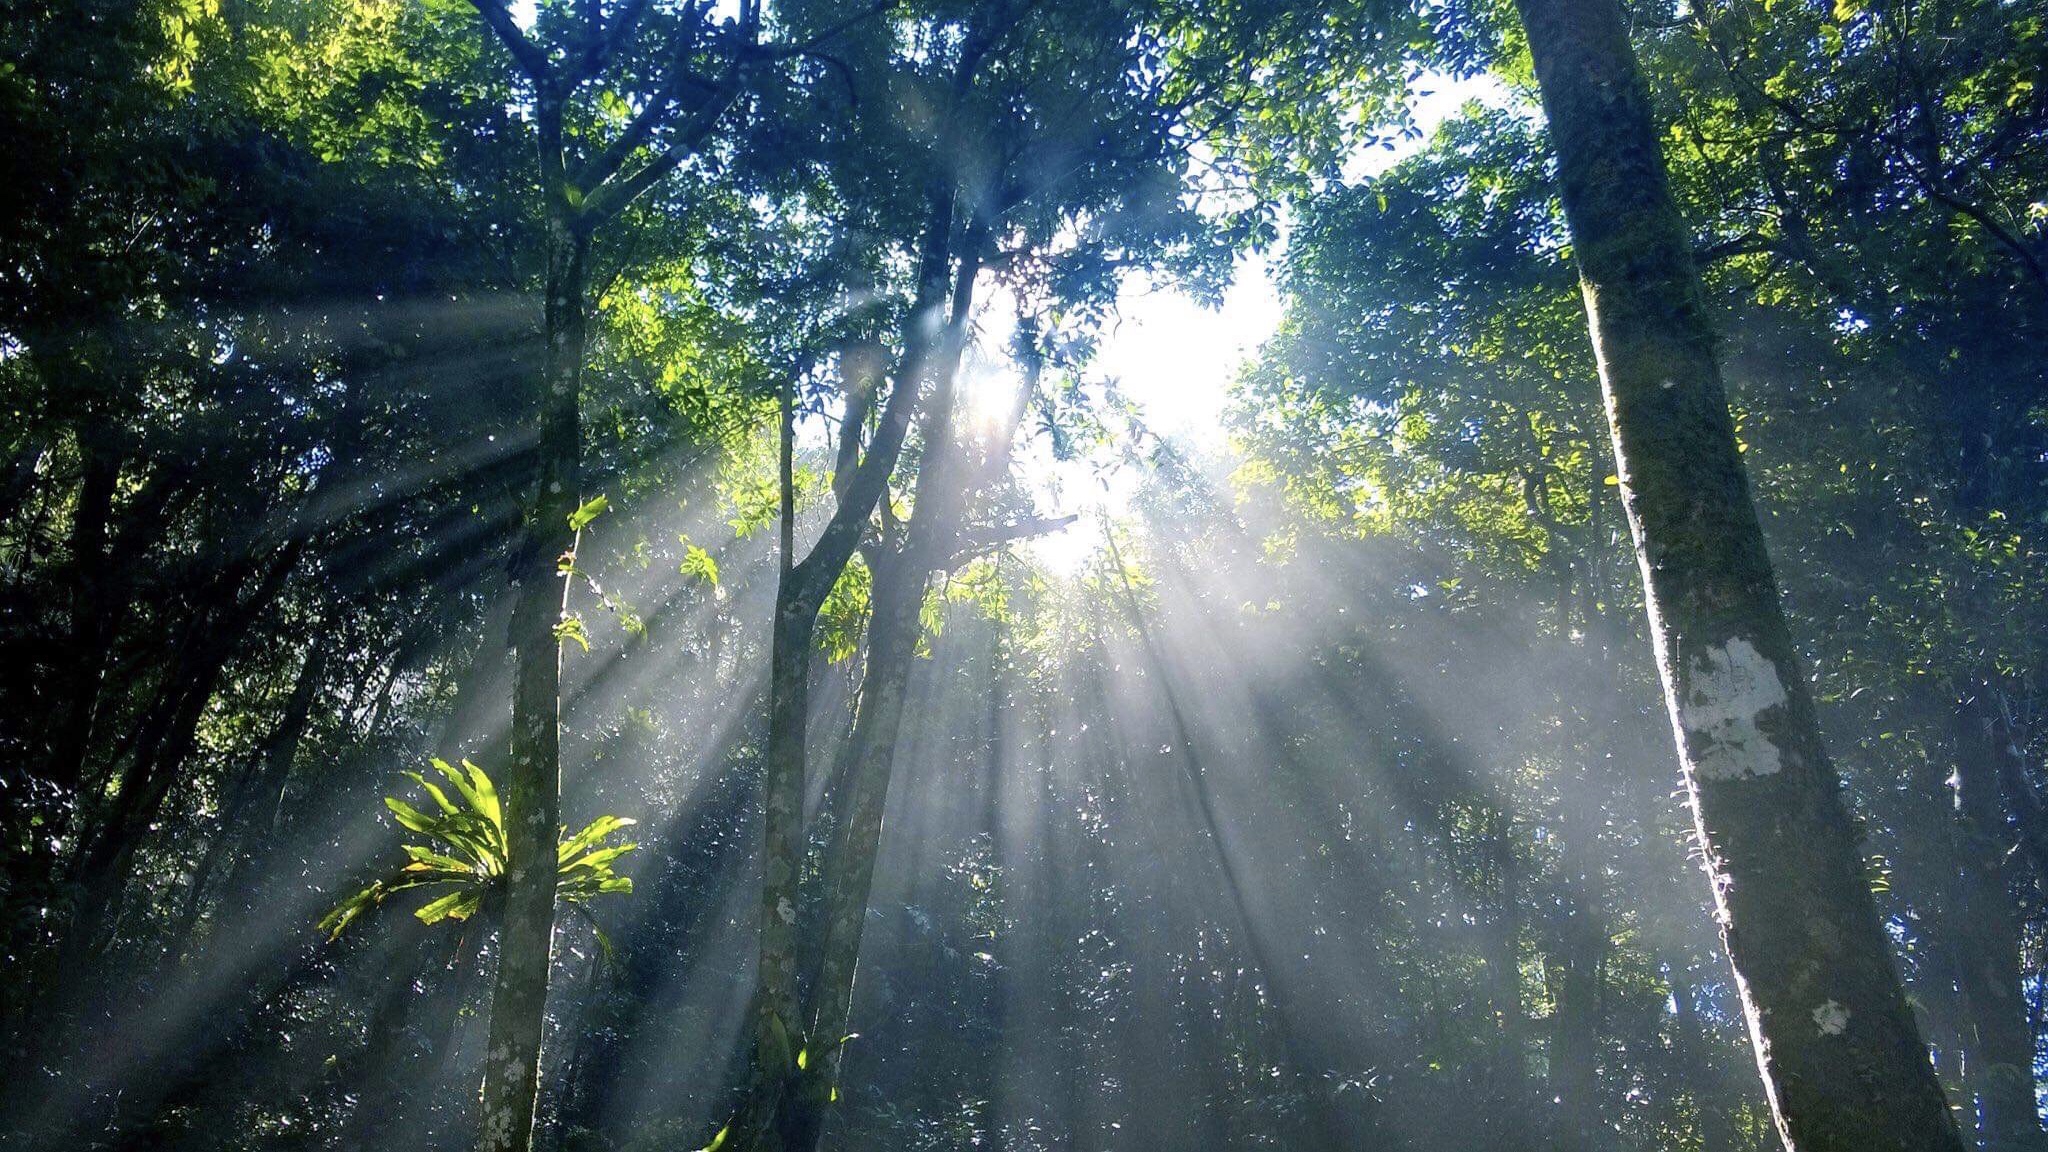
(530, 783)
(1510, 1072)
(800, 595)
(166, 737)
(1842, 1064)
(91, 613)
(901, 579)
(847, 875)
(1985, 938)
(265, 778)
(1576, 970)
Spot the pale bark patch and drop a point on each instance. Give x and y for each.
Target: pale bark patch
(1831, 1018)
(1732, 685)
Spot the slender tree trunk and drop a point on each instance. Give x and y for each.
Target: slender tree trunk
(849, 870)
(530, 783)
(1985, 938)
(1576, 971)
(800, 595)
(1843, 1066)
(788, 717)
(166, 738)
(264, 778)
(901, 578)
(91, 614)
(789, 685)
(1504, 988)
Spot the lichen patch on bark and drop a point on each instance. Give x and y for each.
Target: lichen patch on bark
(1732, 685)
(1831, 1018)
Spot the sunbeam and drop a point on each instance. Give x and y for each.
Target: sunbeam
(1099, 575)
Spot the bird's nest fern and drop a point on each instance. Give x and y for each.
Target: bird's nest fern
(464, 854)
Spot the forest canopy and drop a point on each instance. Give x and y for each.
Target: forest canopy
(1114, 575)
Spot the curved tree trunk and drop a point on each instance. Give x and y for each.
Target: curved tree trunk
(902, 577)
(1843, 1066)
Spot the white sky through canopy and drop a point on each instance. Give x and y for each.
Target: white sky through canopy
(1176, 359)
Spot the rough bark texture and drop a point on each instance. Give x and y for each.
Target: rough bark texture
(530, 785)
(1842, 1064)
(902, 577)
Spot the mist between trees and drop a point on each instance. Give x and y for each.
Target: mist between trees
(572, 576)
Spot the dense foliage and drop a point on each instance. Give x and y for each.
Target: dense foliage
(1316, 792)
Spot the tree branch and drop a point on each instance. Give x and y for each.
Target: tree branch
(979, 542)
(605, 42)
(928, 327)
(607, 163)
(614, 197)
(525, 53)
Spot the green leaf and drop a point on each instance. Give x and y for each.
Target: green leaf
(589, 510)
(409, 816)
(593, 832)
(598, 861)
(471, 824)
(440, 798)
(486, 795)
(460, 779)
(700, 565)
(428, 858)
(346, 912)
(571, 628)
(457, 905)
